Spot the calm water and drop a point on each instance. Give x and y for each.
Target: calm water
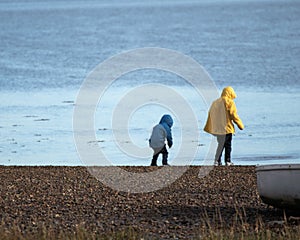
(47, 48)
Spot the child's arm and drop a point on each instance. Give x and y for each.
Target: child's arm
(169, 138)
(169, 134)
(235, 117)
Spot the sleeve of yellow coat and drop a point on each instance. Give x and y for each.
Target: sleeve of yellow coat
(235, 117)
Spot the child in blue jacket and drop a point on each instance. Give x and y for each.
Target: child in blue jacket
(160, 133)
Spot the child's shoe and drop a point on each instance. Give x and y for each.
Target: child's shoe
(217, 163)
(229, 164)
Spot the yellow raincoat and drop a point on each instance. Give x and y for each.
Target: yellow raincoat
(222, 114)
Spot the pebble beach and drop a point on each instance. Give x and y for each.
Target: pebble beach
(64, 198)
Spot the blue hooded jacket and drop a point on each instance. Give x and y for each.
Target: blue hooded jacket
(161, 132)
(167, 122)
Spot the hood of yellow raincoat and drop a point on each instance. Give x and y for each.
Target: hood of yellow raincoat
(228, 92)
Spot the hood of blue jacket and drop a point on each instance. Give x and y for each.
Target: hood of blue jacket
(167, 119)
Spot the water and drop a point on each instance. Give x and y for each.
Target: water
(48, 48)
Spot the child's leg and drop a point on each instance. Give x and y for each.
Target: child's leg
(221, 141)
(165, 153)
(227, 146)
(154, 159)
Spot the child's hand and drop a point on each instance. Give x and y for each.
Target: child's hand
(170, 145)
(241, 126)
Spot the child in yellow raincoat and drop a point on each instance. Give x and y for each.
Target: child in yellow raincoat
(221, 117)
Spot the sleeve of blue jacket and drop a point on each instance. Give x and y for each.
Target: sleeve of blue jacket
(169, 137)
(167, 123)
(169, 134)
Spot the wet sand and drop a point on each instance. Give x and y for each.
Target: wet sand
(65, 198)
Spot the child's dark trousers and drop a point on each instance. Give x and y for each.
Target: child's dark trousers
(164, 153)
(224, 141)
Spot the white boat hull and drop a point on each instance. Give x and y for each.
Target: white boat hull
(279, 185)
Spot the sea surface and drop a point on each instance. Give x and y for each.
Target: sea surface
(48, 48)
